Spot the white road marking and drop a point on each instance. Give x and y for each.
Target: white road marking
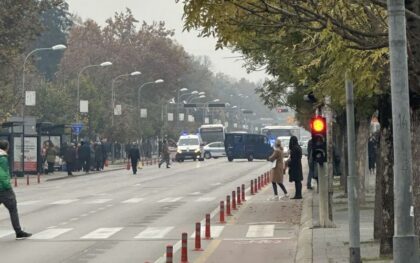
(83, 215)
(64, 202)
(98, 201)
(215, 231)
(205, 199)
(50, 233)
(154, 232)
(102, 233)
(4, 233)
(215, 184)
(74, 219)
(170, 200)
(132, 201)
(195, 193)
(260, 231)
(28, 202)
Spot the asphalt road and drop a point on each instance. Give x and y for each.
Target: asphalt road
(120, 217)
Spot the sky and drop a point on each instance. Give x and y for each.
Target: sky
(167, 10)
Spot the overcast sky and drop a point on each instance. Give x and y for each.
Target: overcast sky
(170, 12)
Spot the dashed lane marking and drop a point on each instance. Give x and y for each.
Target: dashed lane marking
(98, 201)
(25, 203)
(170, 200)
(205, 199)
(154, 232)
(64, 202)
(132, 201)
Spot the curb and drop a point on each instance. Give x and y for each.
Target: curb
(304, 244)
(84, 174)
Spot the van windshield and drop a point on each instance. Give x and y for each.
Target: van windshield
(185, 142)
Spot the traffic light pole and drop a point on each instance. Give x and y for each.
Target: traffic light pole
(405, 241)
(352, 180)
(324, 220)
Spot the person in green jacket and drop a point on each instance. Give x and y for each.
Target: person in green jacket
(7, 195)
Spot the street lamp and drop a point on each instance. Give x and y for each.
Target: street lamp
(134, 73)
(139, 91)
(206, 108)
(53, 48)
(103, 64)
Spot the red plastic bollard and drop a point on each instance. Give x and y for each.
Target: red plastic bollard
(233, 200)
(228, 205)
(259, 183)
(222, 212)
(198, 237)
(255, 186)
(243, 193)
(184, 248)
(39, 178)
(27, 179)
(207, 232)
(238, 195)
(252, 187)
(169, 254)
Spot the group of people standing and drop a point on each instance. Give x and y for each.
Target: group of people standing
(293, 165)
(85, 156)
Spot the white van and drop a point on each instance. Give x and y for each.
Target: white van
(189, 147)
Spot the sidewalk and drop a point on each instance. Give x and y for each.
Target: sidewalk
(262, 230)
(332, 244)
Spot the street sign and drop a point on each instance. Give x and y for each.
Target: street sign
(30, 98)
(117, 109)
(84, 106)
(77, 128)
(143, 113)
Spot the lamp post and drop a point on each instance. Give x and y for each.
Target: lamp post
(139, 92)
(103, 64)
(134, 73)
(53, 48)
(177, 106)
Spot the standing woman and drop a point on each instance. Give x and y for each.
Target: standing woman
(277, 170)
(295, 166)
(51, 153)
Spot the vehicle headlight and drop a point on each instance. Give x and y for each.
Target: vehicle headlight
(178, 151)
(197, 150)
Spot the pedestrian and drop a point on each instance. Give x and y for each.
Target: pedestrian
(165, 154)
(70, 158)
(277, 170)
(372, 154)
(51, 153)
(99, 156)
(311, 166)
(104, 147)
(294, 163)
(134, 156)
(7, 195)
(84, 156)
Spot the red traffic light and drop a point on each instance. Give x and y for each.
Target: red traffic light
(318, 124)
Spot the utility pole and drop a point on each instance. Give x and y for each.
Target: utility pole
(406, 244)
(330, 156)
(352, 179)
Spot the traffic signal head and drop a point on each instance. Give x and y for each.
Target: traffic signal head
(319, 139)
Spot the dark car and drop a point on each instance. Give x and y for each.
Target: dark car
(247, 146)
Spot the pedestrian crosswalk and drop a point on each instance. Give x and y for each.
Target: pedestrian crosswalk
(133, 200)
(145, 233)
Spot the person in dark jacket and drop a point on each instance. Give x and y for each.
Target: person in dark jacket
(294, 164)
(84, 156)
(7, 195)
(165, 154)
(70, 158)
(372, 154)
(134, 156)
(99, 156)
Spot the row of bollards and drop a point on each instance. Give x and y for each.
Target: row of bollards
(38, 179)
(232, 202)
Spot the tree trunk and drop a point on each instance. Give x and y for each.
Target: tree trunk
(415, 140)
(377, 218)
(384, 171)
(361, 142)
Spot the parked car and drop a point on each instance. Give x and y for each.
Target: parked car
(247, 146)
(214, 150)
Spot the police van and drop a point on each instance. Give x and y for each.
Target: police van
(189, 147)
